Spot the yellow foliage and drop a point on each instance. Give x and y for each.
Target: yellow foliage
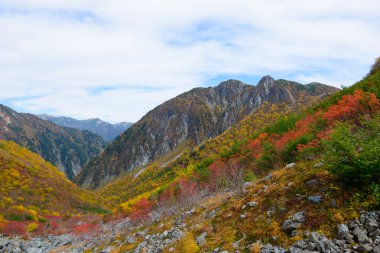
(338, 217)
(187, 244)
(255, 248)
(20, 208)
(8, 200)
(32, 227)
(14, 173)
(34, 214)
(126, 207)
(24, 173)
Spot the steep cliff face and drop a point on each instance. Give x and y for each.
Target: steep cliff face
(67, 148)
(104, 129)
(192, 117)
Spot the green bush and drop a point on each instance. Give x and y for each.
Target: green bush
(202, 168)
(250, 176)
(353, 153)
(234, 149)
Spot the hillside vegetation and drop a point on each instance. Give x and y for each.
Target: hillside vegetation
(33, 190)
(245, 184)
(158, 175)
(278, 176)
(67, 148)
(190, 119)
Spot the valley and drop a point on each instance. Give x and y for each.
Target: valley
(273, 167)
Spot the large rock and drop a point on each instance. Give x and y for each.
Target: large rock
(271, 249)
(360, 235)
(201, 239)
(312, 183)
(316, 199)
(343, 232)
(294, 222)
(371, 223)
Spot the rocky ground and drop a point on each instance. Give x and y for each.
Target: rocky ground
(360, 235)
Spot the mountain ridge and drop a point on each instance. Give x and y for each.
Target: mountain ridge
(97, 126)
(67, 148)
(193, 116)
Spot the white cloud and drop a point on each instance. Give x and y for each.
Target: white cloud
(55, 55)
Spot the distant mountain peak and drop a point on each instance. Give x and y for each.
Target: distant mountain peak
(266, 81)
(100, 127)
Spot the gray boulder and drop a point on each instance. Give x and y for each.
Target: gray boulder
(343, 232)
(201, 239)
(312, 183)
(294, 222)
(360, 235)
(316, 199)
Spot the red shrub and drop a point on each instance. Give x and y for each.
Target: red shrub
(167, 196)
(350, 106)
(187, 189)
(256, 145)
(14, 228)
(141, 210)
(225, 174)
(84, 228)
(323, 135)
(53, 225)
(301, 128)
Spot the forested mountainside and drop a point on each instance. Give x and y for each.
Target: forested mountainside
(189, 119)
(104, 129)
(67, 148)
(32, 191)
(300, 183)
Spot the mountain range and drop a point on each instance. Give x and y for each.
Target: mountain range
(189, 119)
(275, 167)
(97, 126)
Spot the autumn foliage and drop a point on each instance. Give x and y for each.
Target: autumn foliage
(352, 107)
(14, 228)
(141, 210)
(84, 228)
(268, 149)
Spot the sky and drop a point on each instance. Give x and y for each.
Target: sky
(118, 59)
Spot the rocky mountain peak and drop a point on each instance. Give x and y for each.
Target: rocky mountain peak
(231, 83)
(266, 81)
(230, 86)
(191, 117)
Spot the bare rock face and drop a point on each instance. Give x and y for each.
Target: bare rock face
(191, 117)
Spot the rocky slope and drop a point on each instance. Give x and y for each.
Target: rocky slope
(104, 129)
(67, 148)
(191, 117)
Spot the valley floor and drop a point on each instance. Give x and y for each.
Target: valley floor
(229, 221)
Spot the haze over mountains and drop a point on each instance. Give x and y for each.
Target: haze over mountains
(189, 119)
(104, 129)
